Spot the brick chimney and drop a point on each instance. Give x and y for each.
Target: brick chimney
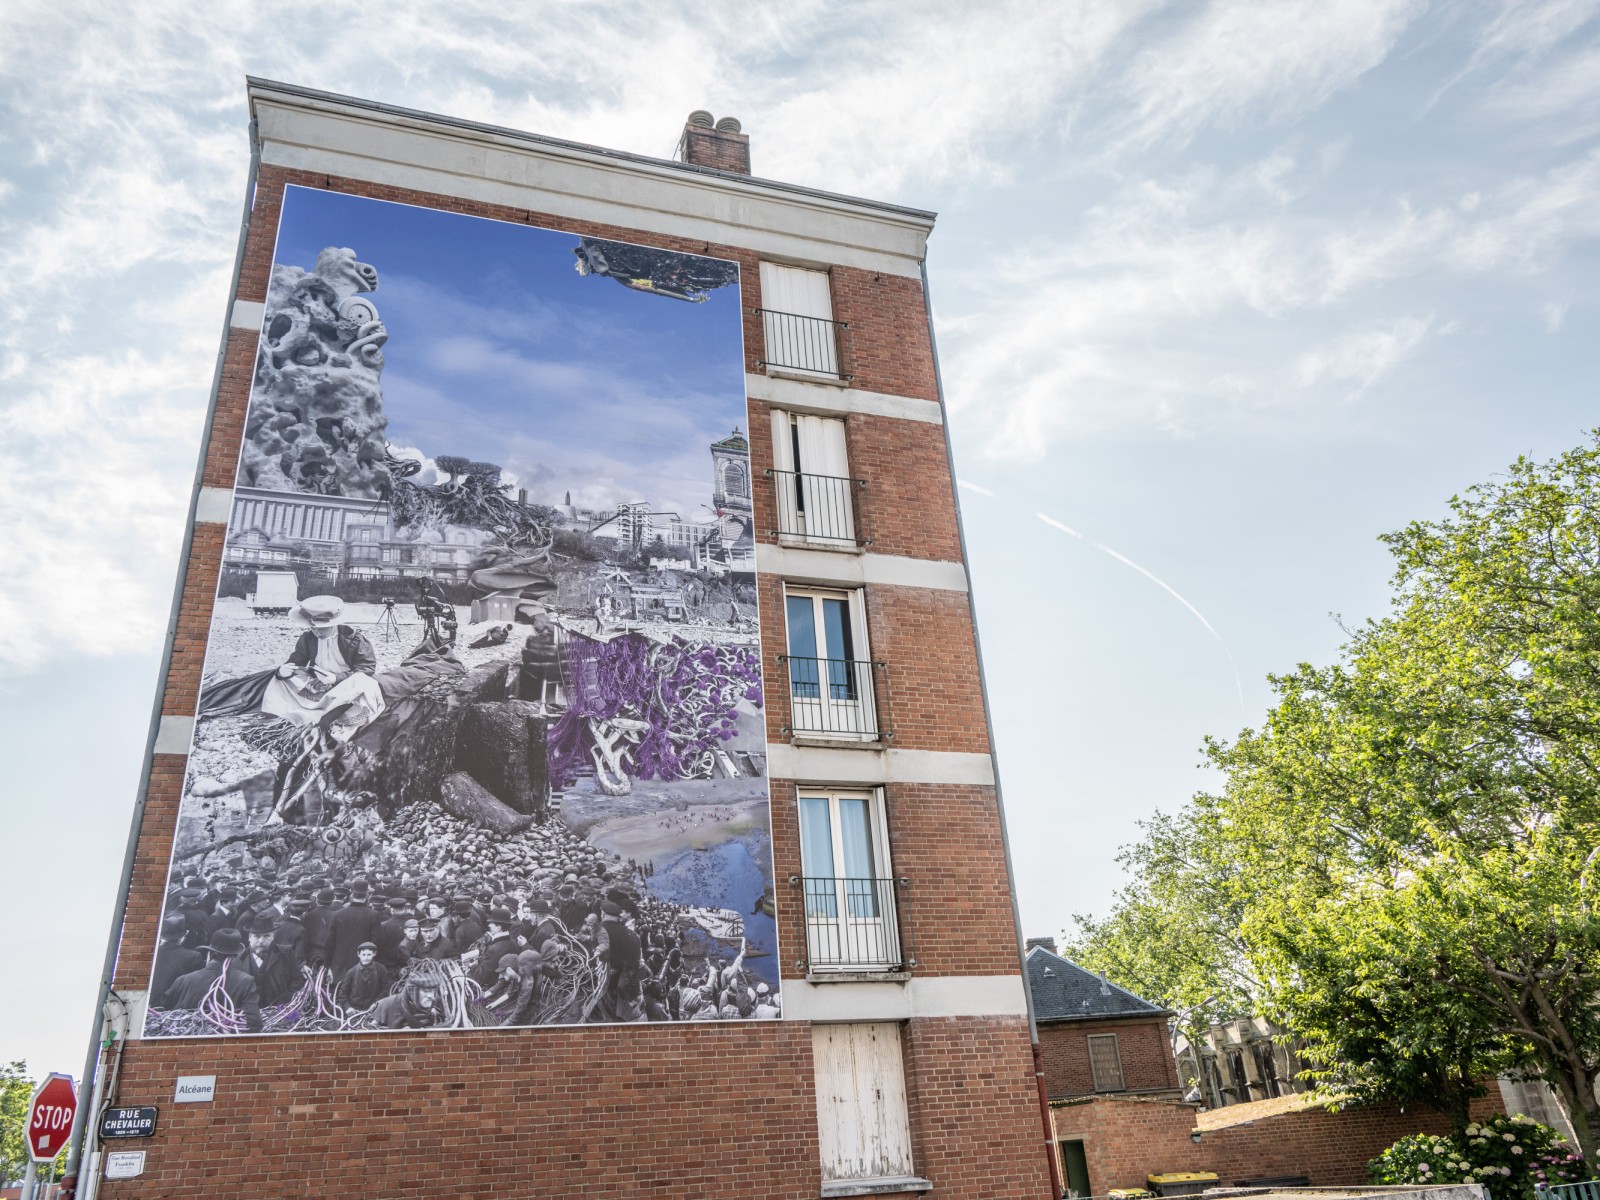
(1049, 943)
(714, 144)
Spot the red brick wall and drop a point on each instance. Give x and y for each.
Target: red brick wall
(973, 1100)
(1147, 1063)
(1127, 1139)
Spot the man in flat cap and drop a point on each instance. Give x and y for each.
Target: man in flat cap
(364, 984)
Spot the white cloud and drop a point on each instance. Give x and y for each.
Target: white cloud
(1241, 59)
(1554, 314)
(1362, 357)
(1124, 322)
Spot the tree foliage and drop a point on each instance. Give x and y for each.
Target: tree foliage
(1402, 859)
(16, 1089)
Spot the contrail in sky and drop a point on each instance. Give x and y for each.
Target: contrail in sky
(1238, 684)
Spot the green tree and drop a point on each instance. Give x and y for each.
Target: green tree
(1404, 854)
(16, 1088)
(1173, 932)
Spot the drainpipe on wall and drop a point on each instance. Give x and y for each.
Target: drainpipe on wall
(1000, 808)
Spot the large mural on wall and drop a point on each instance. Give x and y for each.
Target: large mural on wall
(480, 737)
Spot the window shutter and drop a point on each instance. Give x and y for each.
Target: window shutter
(1105, 1061)
(862, 1122)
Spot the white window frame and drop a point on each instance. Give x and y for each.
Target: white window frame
(853, 926)
(827, 714)
(811, 479)
(800, 348)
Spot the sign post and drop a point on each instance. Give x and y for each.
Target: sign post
(50, 1112)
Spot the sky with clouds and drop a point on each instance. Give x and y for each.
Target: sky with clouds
(1223, 290)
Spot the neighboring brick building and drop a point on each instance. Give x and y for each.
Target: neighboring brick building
(1117, 1142)
(1095, 1037)
(902, 1058)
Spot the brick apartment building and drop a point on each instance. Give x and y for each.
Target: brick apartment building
(901, 1060)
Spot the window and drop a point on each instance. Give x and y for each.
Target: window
(1105, 1062)
(863, 1126)
(810, 471)
(797, 318)
(849, 892)
(830, 675)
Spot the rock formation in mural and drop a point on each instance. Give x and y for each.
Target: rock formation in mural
(316, 420)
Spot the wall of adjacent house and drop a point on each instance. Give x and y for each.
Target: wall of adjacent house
(1147, 1064)
(1127, 1139)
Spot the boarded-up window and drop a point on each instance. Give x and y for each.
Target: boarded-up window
(1105, 1061)
(862, 1122)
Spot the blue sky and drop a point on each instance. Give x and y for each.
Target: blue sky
(1227, 287)
(500, 351)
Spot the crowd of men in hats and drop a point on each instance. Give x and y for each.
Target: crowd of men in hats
(274, 933)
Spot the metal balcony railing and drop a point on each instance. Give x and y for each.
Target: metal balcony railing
(833, 697)
(814, 345)
(817, 508)
(852, 923)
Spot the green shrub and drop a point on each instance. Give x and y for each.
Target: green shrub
(1510, 1156)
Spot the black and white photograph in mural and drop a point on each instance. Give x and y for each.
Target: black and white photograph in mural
(480, 737)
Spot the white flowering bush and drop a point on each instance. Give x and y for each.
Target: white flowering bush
(1510, 1156)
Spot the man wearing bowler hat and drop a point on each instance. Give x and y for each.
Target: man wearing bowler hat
(277, 974)
(353, 924)
(224, 955)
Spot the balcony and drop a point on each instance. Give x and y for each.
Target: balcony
(851, 924)
(817, 510)
(833, 698)
(813, 347)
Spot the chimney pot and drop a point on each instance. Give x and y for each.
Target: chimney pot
(720, 145)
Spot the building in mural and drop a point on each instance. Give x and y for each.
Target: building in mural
(572, 774)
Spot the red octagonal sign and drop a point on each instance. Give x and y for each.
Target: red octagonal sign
(50, 1114)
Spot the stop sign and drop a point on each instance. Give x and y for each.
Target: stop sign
(50, 1114)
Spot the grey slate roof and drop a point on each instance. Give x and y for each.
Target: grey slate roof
(1064, 991)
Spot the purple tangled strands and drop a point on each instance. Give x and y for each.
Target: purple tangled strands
(685, 693)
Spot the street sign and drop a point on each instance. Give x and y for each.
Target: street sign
(194, 1089)
(50, 1113)
(128, 1122)
(124, 1164)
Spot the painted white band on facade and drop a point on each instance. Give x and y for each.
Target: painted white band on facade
(823, 764)
(174, 735)
(799, 565)
(808, 397)
(931, 996)
(214, 506)
(247, 314)
(306, 135)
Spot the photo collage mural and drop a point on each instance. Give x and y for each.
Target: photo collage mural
(480, 738)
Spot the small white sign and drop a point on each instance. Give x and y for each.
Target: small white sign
(125, 1164)
(195, 1089)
